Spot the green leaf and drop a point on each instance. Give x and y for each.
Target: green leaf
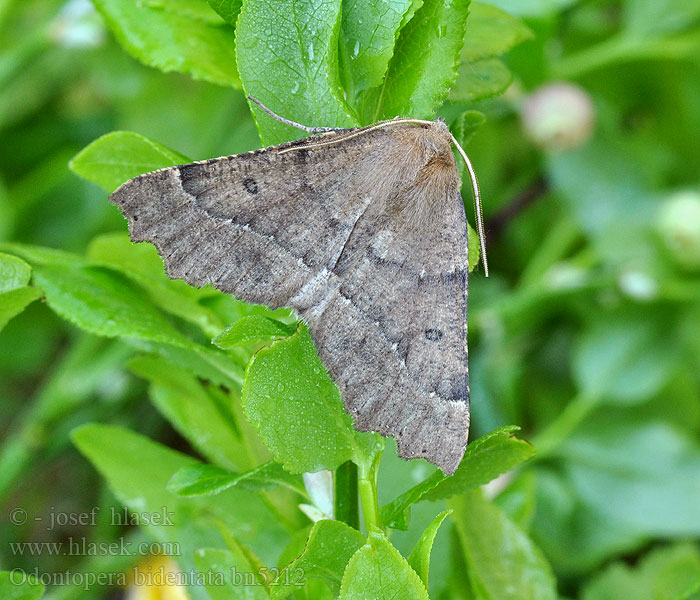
(195, 9)
(643, 20)
(576, 538)
(502, 562)
(419, 559)
(86, 376)
(136, 468)
(116, 157)
(424, 66)
(330, 546)
(518, 500)
(491, 32)
(141, 263)
(692, 593)
(231, 575)
(288, 59)
(184, 401)
(137, 471)
(15, 301)
(368, 33)
(103, 303)
(543, 9)
(41, 255)
(15, 585)
(484, 459)
(480, 80)
(14, 273)
(596, 170)
(378, 569)
(626, 358)
(173, 41)
(665, 572)
(201, 479)
(252, 330)
(640, 475)
(463, 129)
(296, 408)
(214, 366)
(473, 248)
(228, 10)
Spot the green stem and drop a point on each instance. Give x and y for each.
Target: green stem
(627, 47)
(345, 496)
(563, 426)
(370, 506)
(611, 51)
(5, 6)
(16, 59)
(368, 491)
(555, 246)
(17, 456)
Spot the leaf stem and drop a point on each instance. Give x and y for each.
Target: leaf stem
(623, 48)
(368, 491)
(618, 49)
(561, 428)
(370, 506)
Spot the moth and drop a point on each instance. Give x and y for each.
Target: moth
(363, 232)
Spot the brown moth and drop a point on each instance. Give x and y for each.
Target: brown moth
(361, 231)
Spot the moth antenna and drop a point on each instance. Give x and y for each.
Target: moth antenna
(478, 213)
(289, 122)
(355, 133)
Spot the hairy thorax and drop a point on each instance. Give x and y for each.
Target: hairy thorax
(429, 172)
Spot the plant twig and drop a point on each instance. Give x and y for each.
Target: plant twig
(498, 222)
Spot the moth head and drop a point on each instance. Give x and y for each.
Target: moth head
(429, 175)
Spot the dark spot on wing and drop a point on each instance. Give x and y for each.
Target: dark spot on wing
(189, 174)
(460, 394)
(433, 334)
(301, 155)
(449, 277)
(250, 185)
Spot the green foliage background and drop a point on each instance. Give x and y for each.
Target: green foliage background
(586, 335)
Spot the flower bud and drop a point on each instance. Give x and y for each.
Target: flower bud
(558, 116)
(78, 25)
(679, 227)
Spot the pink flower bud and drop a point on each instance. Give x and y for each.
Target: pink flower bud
(558, 116)
(679, 227)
